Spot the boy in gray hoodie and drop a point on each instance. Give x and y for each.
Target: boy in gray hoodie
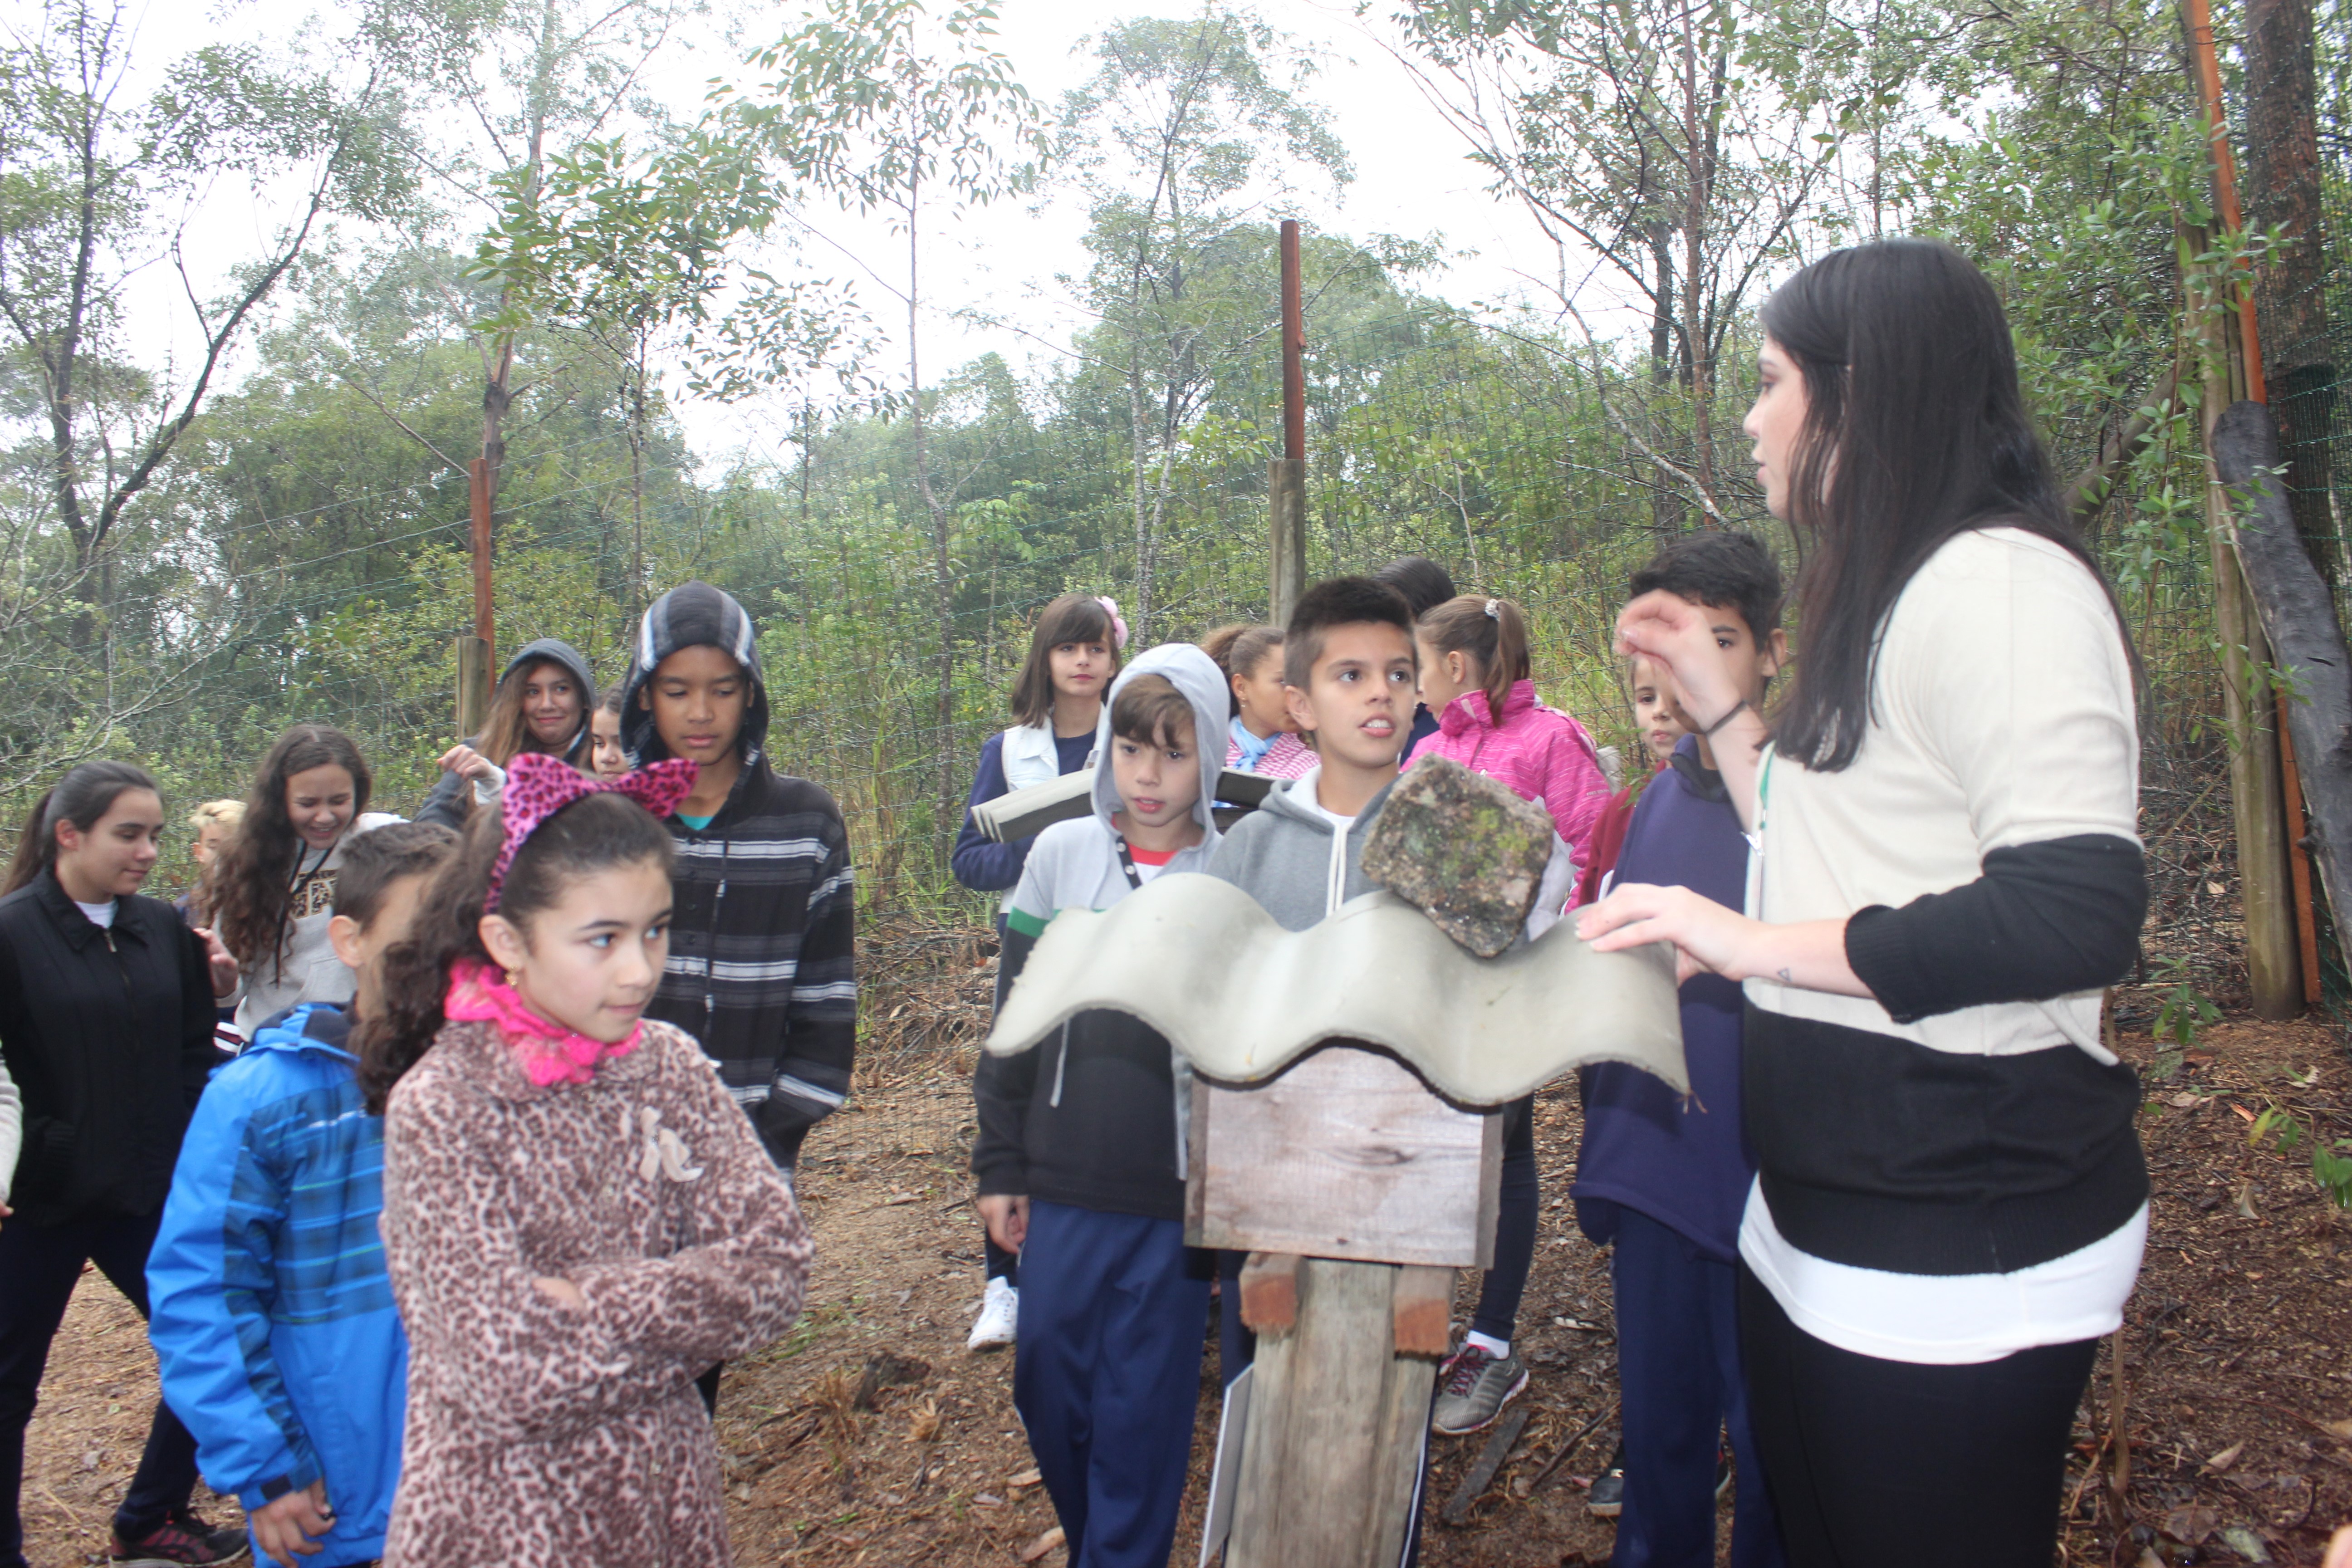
(1347, 670)
(1079, 1155)
(1349, 674)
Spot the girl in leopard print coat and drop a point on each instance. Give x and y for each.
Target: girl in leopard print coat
(577, 1217)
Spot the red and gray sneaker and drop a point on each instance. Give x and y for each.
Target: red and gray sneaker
(1472, 1389)
(182, 1537)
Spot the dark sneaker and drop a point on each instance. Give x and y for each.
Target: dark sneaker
(183, 1537)
(1607, 1499)
(1472, 1389)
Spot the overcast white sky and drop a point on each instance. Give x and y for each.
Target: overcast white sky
(1412, 178)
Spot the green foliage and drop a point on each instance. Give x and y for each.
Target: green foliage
(2284, 1131)
(2183, 1012)
(301, 553)
(2332, 1169)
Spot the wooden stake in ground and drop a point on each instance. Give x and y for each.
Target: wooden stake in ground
(1286, 474)
(2265, 882)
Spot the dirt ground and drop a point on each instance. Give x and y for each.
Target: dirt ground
(869, 1436)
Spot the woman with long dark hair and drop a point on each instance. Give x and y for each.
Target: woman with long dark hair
(106, 1027)
(541, 703)
(1951, 1201)
(272, 889)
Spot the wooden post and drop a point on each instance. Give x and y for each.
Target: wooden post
(1337, 1421)
(473, 686)
(1286, 474)
(475, 653)
(2225, 188)
(2264, 881)
(1358, 1193)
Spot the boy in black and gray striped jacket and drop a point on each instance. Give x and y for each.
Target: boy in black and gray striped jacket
(762, 937)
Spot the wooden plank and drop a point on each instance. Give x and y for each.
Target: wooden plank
(1490, 1459)
(1422, 1311)
(1344, 1155)
(1334, 1429)
(1269, 1287)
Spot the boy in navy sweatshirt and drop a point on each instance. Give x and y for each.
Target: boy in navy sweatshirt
(1664, 1179)
(1079, 1152)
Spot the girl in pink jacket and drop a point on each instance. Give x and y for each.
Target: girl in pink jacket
(1476, 677)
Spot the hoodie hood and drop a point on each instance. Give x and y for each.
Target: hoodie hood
(556, 650)
(692, 614)
(1194, 675)
(313, 1026)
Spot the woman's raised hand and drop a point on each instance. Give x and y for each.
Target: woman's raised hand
(466, 764)
(1672, 631)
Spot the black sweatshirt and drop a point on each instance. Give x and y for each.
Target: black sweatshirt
(109, 1035)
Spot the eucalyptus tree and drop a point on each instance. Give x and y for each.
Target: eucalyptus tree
(885, 108)
(1685, 146)
(1188, 135)
(98, 182)
(630, 248)
(520, 83)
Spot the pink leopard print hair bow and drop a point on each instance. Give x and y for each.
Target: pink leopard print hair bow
(537, 786)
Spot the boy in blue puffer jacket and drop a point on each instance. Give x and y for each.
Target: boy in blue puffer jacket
(273, 1318)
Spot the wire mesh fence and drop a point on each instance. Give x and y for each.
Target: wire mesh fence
(1530, 464)
(1498, 456)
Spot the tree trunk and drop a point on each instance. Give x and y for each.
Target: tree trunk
(1668, 512)
(942, 540)
(2257, 805)
(2283, 188)
(1140, 455)
(636, 479)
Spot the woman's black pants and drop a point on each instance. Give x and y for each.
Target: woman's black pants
(39, 1265)
(1875, 1462)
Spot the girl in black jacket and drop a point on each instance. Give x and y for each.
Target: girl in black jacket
(105, 1026)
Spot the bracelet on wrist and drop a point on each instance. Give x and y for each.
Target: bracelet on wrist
(1729, 715)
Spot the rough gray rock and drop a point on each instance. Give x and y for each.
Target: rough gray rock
(1464, 850)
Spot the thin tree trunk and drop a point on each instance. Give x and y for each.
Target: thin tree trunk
(942, 569)
(637, 477)
(1668, 512)
(2283, 188)
(1698, 154)
(1140, 444)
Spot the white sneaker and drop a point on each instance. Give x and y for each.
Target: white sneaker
(1000, 1313)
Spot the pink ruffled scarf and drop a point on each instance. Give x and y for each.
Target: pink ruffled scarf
(547, 1052)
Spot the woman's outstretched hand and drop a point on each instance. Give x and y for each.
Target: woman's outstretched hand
(1708, 937)
(1712, 939)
